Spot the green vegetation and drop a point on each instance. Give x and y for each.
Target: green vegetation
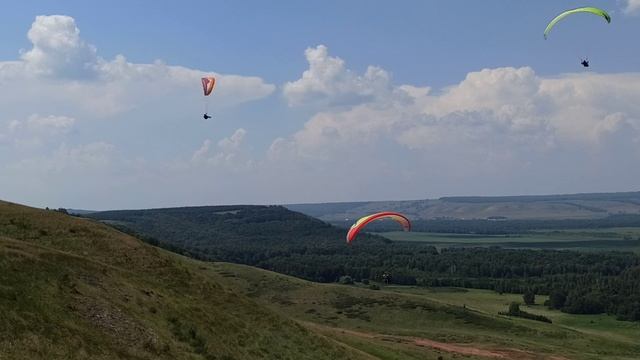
(274, 238)
(619, 239)
(514, 310)
(390, 323)
(490, 302)
(71, 288)
(507, 227)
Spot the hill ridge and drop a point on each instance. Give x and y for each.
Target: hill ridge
(517, 207)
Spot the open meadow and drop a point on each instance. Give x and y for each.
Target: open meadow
(399, 322)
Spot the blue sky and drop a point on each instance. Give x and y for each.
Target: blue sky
(435, 42)
(407, 99)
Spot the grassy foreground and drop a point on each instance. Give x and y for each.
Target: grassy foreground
(74, 289)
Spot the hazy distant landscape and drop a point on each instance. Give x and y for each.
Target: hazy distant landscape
(543, 207)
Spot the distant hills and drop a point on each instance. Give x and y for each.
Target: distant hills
(530, 207)
(79, 211)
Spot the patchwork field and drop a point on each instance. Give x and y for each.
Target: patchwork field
(619, 239)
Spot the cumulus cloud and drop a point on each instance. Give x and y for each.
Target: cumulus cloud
(327, 80)
(228, 152)
(513, 104)
(632, 6)
(497, 130)
(61, 70)
(58, 49)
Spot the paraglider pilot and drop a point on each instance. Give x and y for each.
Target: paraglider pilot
(585, 63)
(208, 83)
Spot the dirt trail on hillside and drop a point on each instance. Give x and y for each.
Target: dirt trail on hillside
(462, 349)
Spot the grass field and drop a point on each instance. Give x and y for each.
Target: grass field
(491, 302)
(619, 239)
(419, 323)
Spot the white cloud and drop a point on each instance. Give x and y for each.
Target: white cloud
(66, 160)
(58, 49)
(96, 155)
(632, 6)
(500, 130)
(161, 80)
(63, 72)
(229, 152)
(202, 152)
(43, 124)
(233, 142)
(328, 81)
(36, 130)
(78, 128)
(511, 104)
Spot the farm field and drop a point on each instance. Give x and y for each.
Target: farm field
(619, 239)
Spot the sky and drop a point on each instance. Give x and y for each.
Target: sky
(101, 104)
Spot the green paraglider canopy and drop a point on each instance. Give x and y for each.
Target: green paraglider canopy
(588, 9)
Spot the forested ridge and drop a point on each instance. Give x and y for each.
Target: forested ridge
(274, 238)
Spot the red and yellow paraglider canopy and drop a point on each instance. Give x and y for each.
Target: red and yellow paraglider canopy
(208, 83)
(362, 222)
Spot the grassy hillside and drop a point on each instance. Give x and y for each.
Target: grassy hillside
(72, 288)
(491, 302)
(400, 322)
(574, 206)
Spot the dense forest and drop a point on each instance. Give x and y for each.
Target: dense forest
(503, 227)
(274, 238)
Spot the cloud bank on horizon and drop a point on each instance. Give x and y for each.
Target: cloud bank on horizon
(504, 130)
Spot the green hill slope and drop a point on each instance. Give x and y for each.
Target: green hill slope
(418, 323)
(71, 288)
